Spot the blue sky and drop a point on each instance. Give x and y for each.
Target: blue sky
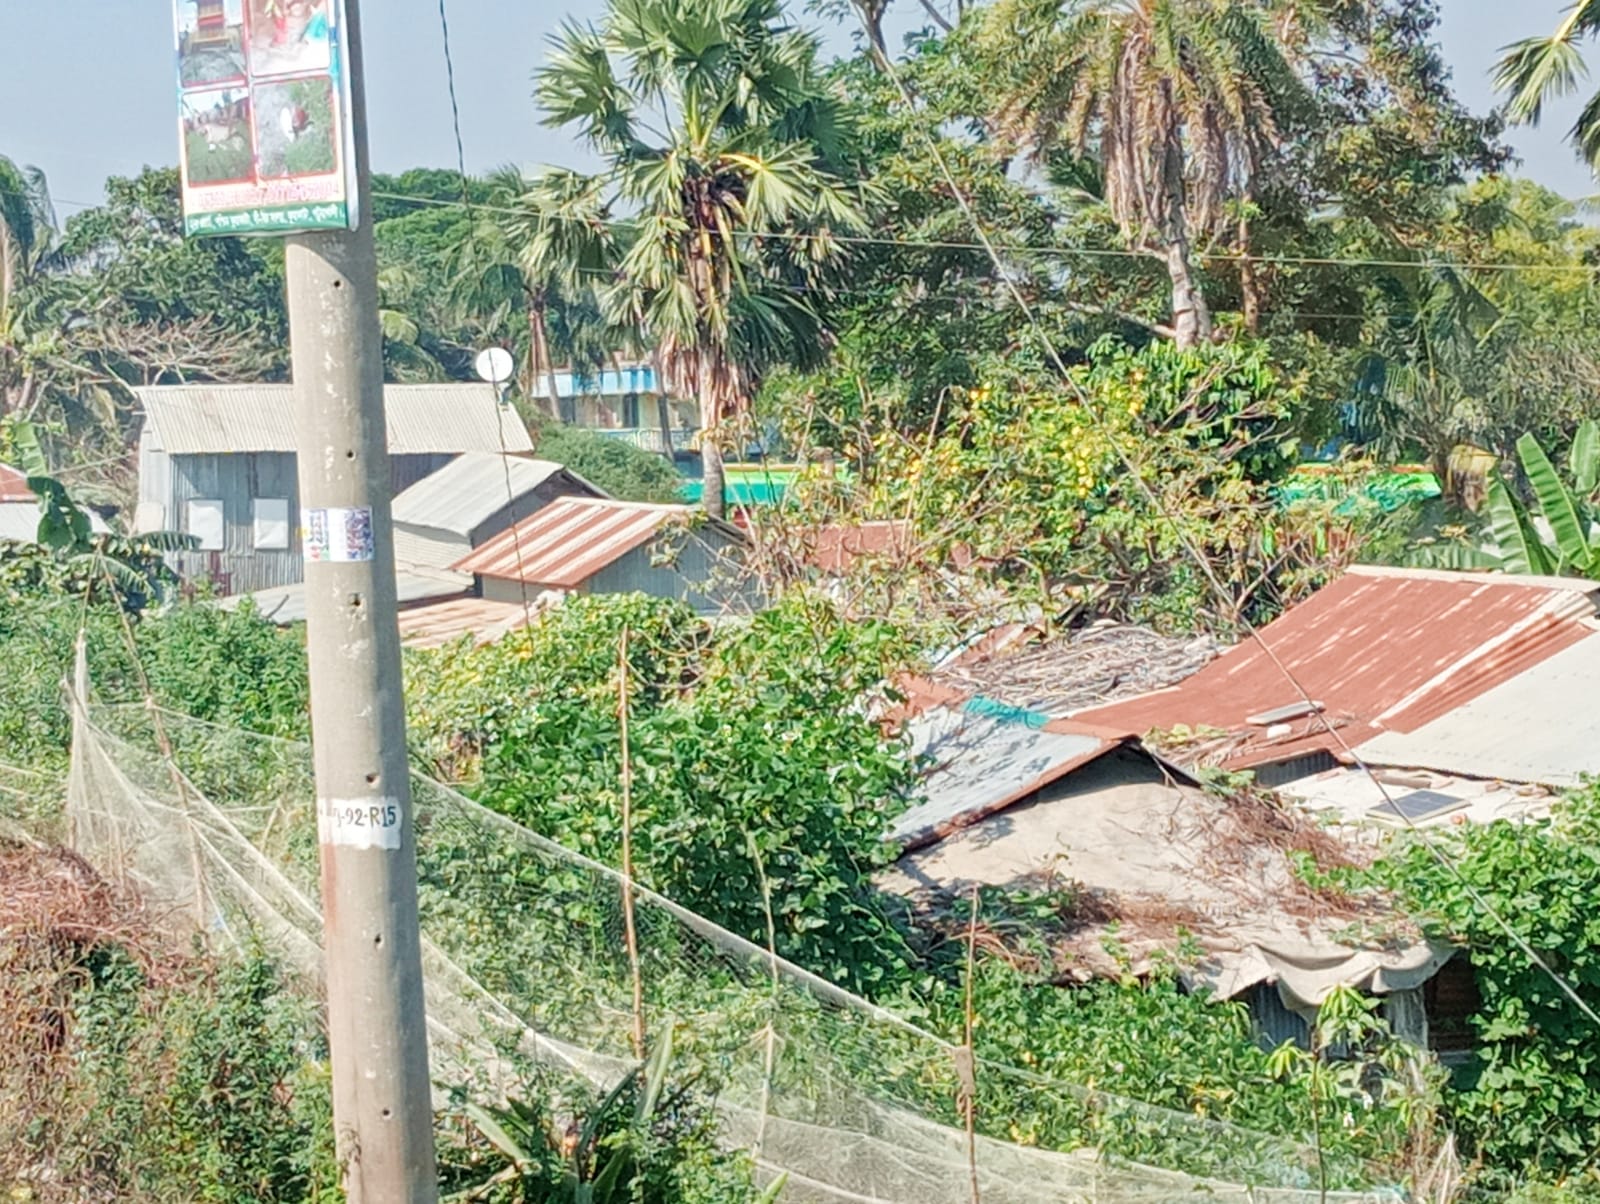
(86, 85)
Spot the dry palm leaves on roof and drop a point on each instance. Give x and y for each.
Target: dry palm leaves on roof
(1096, 664)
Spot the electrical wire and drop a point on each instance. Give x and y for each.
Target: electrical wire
(500, 405)
(1209, 573)
(986, 245)
(925, 244)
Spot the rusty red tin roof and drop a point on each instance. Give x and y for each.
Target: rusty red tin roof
(1380, 649)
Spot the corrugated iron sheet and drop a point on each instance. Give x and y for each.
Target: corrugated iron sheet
(285, 604)
(14, 485)
(983, 763)
(1541, 727)
(836, 548)
(473, 486)
(191, 420)
(569, 541)
(436, 623)
(19, 520)
(1381, 649)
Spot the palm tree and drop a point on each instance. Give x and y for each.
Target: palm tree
(547, 305)
(1426, 383)
(1536, 69)
(27, 237)
(1178, 100)
(720, 150)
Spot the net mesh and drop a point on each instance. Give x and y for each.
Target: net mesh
(525, 958)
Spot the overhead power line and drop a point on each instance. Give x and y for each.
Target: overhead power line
(624, 224)
(1019, 249)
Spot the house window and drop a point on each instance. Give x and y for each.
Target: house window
(271, 516)
(203, 519)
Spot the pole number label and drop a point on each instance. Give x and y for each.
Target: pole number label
(362, 823)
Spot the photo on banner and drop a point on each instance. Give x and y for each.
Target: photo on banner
(263, 97)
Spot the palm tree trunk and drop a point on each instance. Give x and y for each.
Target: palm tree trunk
(663, 406)
(539, 353)
(664, 417)
(7, 276)
(714, 495)
(1250, 284)
(1191, 318)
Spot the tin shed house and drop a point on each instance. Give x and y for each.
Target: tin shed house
(443, 517)
(19, 509)
(218, 462)
(588, 545)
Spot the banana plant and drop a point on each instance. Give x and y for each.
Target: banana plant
(72, 553)
(1568, 542)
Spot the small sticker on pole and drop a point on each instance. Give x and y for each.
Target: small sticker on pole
(360, 823)
(339, 535)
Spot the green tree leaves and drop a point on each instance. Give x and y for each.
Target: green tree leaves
(1532, 1104)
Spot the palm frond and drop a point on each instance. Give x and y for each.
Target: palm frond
(1537, 70)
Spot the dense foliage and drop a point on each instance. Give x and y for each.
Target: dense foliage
(1073, 287)
(229, 667)
(749, 752)
(1119, 480)
(1532, 1102)
(613, 465)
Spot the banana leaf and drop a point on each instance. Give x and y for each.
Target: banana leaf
(1558, 506)
(1521, 550)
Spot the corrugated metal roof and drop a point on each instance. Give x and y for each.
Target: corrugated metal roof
(485, 620)
(14, 485)
(1542, 726)
(1348, 795)
(193, 420)
(286, 604)
(983, 763)
(571, 540)
(19, 520)
(1380, 649)
(473, 486)
(837, 547)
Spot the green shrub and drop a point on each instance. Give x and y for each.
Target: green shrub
(622, 470)
(1531, 1106)
(750, 754)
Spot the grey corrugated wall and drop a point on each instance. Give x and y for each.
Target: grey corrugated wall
(236, 481)
(704, 572)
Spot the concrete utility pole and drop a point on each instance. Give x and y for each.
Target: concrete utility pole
(377, 1032)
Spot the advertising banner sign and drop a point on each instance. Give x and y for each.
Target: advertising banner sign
(263, 116)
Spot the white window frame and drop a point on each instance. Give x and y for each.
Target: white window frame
(206, 518)
(270, 532)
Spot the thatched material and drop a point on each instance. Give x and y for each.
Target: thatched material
(1078, 669)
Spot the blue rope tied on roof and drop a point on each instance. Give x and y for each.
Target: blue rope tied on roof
(992, 708)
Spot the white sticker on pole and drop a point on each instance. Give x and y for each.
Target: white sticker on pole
(360, 823)
(339, 535)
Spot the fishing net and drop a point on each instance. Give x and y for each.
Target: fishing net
(525, 960)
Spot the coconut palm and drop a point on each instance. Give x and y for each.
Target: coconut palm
(1179, 101)
(547, 304)
(1536, 70)
(27, 238)
(27, 226)
(719, 149)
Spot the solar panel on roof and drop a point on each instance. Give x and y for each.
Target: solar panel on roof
(1416, 806)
